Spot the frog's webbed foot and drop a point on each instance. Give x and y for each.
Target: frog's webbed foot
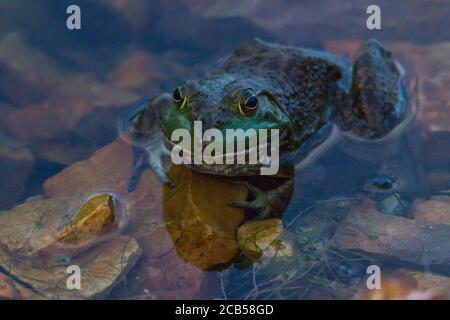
(270, 203)
(152, 158)
(156, 165)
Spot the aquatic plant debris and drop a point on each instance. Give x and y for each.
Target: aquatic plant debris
(91, 220)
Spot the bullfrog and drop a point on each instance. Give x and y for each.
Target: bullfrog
(305, 94)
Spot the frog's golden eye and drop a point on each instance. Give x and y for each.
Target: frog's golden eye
(179, 96)
(248, 103)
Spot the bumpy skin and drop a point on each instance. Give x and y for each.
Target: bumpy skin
(300, 92)
(376, 103)
(294, 87)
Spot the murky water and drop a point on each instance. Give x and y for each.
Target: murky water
(64, 92)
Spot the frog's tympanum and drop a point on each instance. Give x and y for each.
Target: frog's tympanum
(301, 92)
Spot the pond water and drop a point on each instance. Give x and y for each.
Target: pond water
(64, 94)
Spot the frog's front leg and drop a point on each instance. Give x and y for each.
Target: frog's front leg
(268, 203)
(148, 145)
(375, 104)
(149, 157)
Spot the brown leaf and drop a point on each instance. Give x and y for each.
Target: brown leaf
(45, 230)
(201, 224)
(91, 220)
(258, 238)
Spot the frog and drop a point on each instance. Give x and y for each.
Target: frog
(401, 178)
(305, 94)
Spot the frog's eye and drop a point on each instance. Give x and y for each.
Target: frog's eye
(179, 97)
(248, 103)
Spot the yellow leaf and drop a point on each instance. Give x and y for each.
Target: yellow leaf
(262, 237)
(91, 220)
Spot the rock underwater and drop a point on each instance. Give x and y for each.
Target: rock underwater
(39, 241)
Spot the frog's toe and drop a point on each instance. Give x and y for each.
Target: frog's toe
(254, 204)
(262, 205)
(261, 201)
(151, 158)
(155, 161)
(268, 203)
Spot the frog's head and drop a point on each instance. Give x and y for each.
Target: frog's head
(224, 102)
(381, 184)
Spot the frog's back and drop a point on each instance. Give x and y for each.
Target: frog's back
(299, 79)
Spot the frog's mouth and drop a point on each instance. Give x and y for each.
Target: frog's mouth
(219, 165)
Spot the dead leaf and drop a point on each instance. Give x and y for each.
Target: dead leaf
(201, 224)
(93, 218)
(257, 238)
(34, 229)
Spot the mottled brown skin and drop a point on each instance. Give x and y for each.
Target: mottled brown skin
(300, 92)
(300, 81)
(376, 104)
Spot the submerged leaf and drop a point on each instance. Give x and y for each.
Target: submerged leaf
(201, 224)
(96, 215)
(257, 238)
